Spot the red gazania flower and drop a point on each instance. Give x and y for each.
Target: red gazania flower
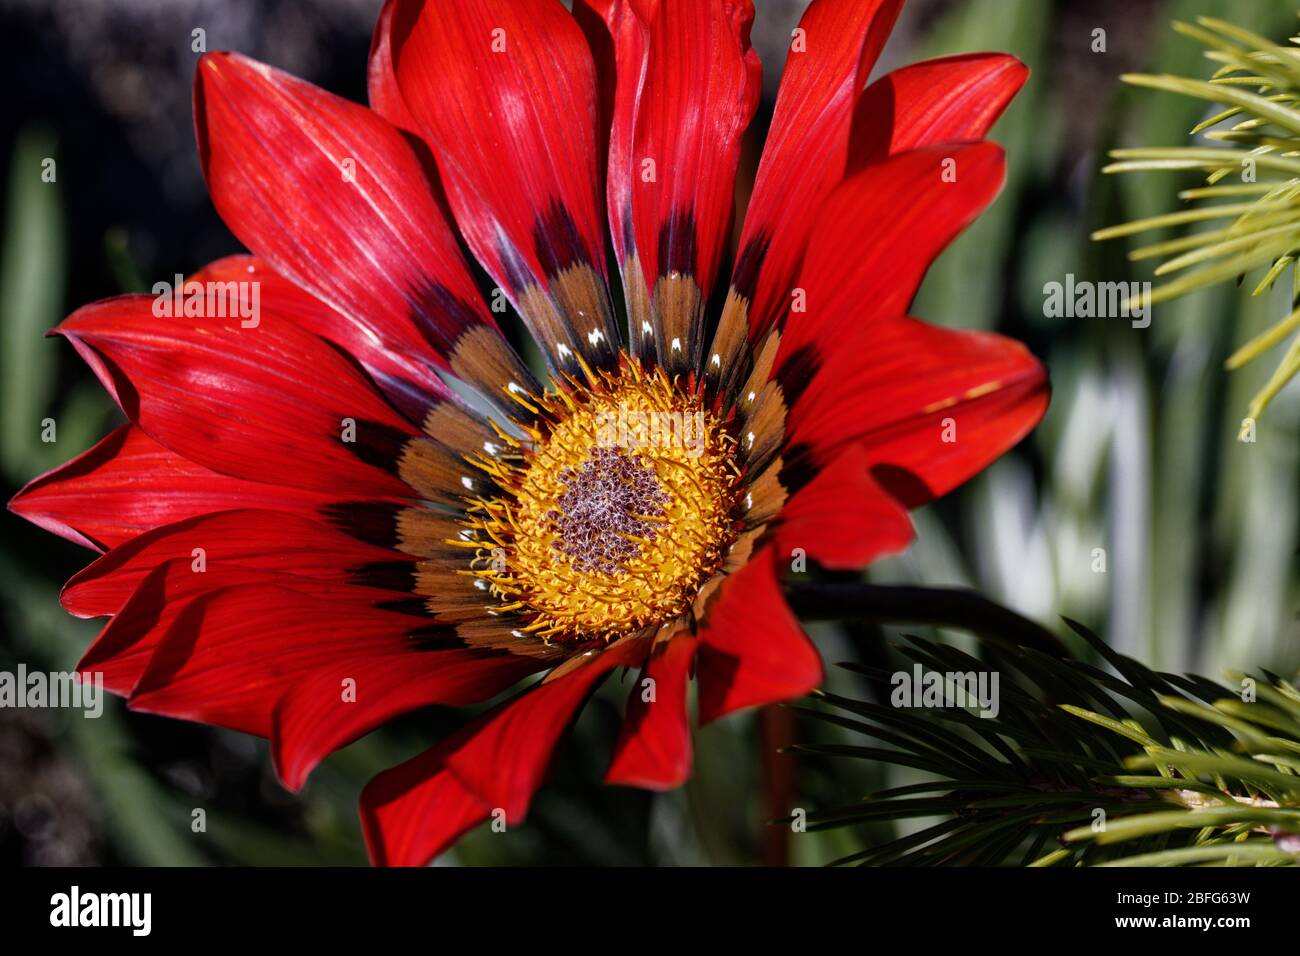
(363, 502)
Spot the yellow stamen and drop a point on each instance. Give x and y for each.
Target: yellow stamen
(585, 573)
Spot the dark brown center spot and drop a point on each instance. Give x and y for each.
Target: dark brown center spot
(608, 497)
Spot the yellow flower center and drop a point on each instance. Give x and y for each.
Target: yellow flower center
(620, 507)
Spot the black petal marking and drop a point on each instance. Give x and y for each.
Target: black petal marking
(677, 244)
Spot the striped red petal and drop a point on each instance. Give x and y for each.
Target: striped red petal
(806, 151)
(272, 403)
(505, 764)
(352, 219)
(381, 81)
(404, 372)
(311, 664)
(415, 810)
(688, 83)
(843, 518)
(878, 233)
(313, 718)
(272, 541)
(124, 648)
(947, 100)
(930, 407)
(654, 746)
(752, 650)
(505, 93)
(271, 659)
(128, 484)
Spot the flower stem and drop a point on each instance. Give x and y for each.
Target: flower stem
(775, 736)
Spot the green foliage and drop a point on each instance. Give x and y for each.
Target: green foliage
(1257, 90)
(1080, 765)
(31, 275)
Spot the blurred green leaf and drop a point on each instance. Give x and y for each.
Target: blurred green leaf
(32, 275)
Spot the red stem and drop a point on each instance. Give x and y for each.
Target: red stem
(776, 733)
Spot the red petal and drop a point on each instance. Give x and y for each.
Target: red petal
(842, 518)
(272, 660)
(505, 93)
(505, 761)
(415, 810)
(265, 403)
(267, 540)
(403, 372)
(893, 385)
(128, 484)
(125, 646)
(312, 721)
(412, 812)
(334, 198)
(654, 749)
(878, 233)
(381, 80)
(752, 650)
(806, 151)
(688, 85)
(230, 655)
(948, 100)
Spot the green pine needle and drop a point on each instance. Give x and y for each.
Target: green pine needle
(1258, 88)
(1080, 767)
